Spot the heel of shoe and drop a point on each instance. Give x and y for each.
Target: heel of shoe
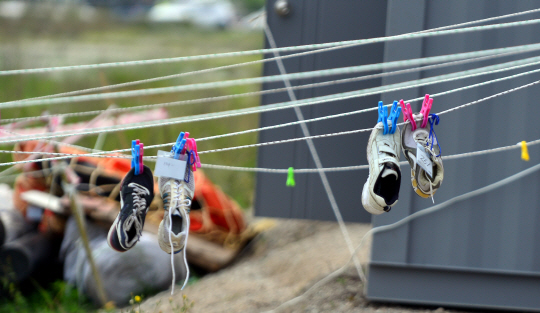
(366, 203)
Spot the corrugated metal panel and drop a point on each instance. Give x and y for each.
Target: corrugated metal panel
(482, 252)
(318, 21)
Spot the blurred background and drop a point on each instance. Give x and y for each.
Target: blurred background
(36, 34)
(57, 33)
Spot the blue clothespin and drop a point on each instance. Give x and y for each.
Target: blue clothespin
(178, 146)
(395, 111)
(383, 117)
(135, 152)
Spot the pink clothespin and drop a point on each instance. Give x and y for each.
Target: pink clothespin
(141, 164)
(407, 113)
(187, 140)
(193, 147)
(426, 107)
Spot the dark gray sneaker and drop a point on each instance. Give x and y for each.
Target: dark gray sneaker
(136, 194)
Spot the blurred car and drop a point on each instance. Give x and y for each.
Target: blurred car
(12, 9)
(205, 13)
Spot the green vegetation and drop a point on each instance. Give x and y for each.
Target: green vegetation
(59, 297)
(250, 5)
(122, 42)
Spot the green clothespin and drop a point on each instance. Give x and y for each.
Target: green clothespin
(290, 178)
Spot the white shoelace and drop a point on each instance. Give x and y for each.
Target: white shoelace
(426, 143)
(139, 206)
(174, 199)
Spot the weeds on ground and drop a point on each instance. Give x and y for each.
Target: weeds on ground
(59, 297)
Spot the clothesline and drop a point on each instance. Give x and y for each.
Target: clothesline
(256, 80)
(474, 153)
(262, 92)
(488, 54)
(279, 106)
(324, 117)
(430, 33)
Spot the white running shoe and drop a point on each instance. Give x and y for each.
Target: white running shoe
(177, 195)
(424, 184)
(381, 190)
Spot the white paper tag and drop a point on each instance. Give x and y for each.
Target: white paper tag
(166, 166)
(423, 159)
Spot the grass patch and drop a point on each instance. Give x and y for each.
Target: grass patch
(58, 297)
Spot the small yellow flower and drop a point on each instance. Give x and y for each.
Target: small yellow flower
(184, 296)
(137, 299)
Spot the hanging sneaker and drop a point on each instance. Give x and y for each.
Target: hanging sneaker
(136, 194)
(177, 195)
(381, 190)
(423, 153)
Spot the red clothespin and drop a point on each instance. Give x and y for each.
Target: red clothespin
(426, 107)
(407, 113)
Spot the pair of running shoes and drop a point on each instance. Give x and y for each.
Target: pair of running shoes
(136, 194)
(420, 148)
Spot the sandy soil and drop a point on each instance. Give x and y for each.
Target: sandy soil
(282, 264)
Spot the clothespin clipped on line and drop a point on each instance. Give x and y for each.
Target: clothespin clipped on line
(193, 154)
(137, 156)
(187, 146)
(290, 178)
(141, 152)
(407, 113)
(178, 147)
(426, 107)
(394, 115)
(524, 151)
(384, 118)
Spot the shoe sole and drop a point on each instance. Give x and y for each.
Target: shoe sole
(365, 200)
(165, 245)
(365, 191)
(112, 231)
(417, 190)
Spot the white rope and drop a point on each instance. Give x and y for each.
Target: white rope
(284, 105)
(296, 171)
(423, 34)
(312, 85)
(101, 153)
(482, 54)
(313, 151)
(366, 129)
(404, 221)
(262, 92)
(236, 82)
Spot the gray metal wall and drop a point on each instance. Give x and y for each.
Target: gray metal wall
(318, 21)
(483, 252)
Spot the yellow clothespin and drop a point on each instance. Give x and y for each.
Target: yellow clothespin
(290, 178)
(524, 151)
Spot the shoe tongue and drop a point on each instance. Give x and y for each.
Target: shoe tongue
(389, 169)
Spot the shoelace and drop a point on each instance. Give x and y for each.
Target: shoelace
(139, 206)
(434, 120)
(175, 199)
(425, 142)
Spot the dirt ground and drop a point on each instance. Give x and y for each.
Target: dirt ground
(281, 264)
